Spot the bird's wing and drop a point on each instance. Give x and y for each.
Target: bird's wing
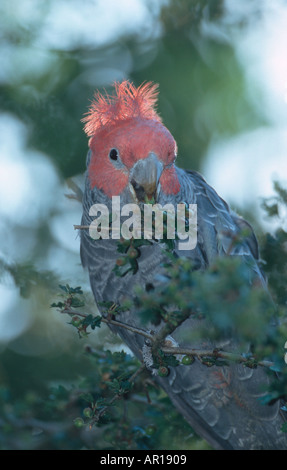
(223, 403)
(218, 224)
(220, 230)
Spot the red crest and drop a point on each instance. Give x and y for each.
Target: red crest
(128, 102)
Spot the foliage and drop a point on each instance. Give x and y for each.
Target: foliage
(48, 399)
(115, 404)
(64, 417)
(223, 295)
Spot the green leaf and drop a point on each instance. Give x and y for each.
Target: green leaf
(76, 290)
(88, 397)
(121, 271)
(282, 192)
(122, 248)
(134, 265)
(271, 209)
(125, 386)
(58, 305)
(64, 288)
(76, 302)
(171, 361)
(92, 321)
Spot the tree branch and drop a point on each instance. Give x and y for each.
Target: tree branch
(118, 396)
(217, 354)
(109, 321)
(81, 227)
(157, 342)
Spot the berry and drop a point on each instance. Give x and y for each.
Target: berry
(163, 371)
(76, 321)
(186, 360)
(125, 242)
(88, 412)
(133, 253)
(79, 422)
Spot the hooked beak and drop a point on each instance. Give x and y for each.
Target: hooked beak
(144, 178)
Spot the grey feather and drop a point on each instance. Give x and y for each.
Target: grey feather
(220, 403)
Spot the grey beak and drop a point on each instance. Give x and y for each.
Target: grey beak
(145, 175)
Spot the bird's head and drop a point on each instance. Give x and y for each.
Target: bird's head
(131, 150)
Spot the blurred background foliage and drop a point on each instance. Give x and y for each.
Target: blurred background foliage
(222, 95)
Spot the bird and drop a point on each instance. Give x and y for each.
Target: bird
(132, 155)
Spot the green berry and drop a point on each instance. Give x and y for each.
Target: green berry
(79, 422)
(76, 321)
(88, 412)
(133, 253)
(125, 242)
(163, 371)
(186, 360)
(121, 261)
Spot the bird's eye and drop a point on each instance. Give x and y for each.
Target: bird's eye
(114, 154)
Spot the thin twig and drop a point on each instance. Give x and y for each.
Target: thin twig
(108, 321)
(118, 396)
(167, 329)
(133, 329)
(158, 339)
(81, 227)
(217, 354)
